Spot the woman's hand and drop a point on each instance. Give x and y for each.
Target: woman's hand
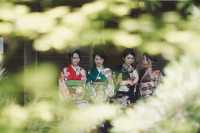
(108, 73)
(83, 73)
(144, 85)
(147, 84)
(109, 76)
(124, 82)
(134, 78)
(127, 82)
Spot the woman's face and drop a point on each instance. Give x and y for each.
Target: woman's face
(129, 59)
(75, 59)
(98, 61)
(146, 62)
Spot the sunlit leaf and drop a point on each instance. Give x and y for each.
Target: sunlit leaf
(59, 38)
(126, 39)
(57, 12)
(6, 28)
(35, 22)
(130, 24)
(171, 17)
(119, 10)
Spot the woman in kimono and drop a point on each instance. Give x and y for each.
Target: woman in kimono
(99, 74)
(71, 72)
(149, 78)
(128, 74)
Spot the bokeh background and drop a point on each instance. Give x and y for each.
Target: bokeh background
(37, 35)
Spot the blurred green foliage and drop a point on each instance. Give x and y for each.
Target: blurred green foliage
(29, 100)
(128, 23)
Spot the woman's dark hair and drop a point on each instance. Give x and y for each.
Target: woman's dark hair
(127, 52)
(147, 56)
(73, 52)
(101, 54)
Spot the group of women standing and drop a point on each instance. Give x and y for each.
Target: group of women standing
(124, 84)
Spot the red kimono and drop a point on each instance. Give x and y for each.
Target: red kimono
(71, 73)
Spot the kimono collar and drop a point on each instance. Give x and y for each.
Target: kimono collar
(100, 69)
(127, 68)
(77, 69)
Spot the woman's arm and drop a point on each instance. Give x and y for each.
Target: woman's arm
(125, 82)
(84, 76)
(134, 78)
(148, 84)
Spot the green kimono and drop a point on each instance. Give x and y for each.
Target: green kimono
(95, 76)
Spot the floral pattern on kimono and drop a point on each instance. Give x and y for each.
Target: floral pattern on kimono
(71, 73)
(148, 82)
(126, 94)
(101, 76)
